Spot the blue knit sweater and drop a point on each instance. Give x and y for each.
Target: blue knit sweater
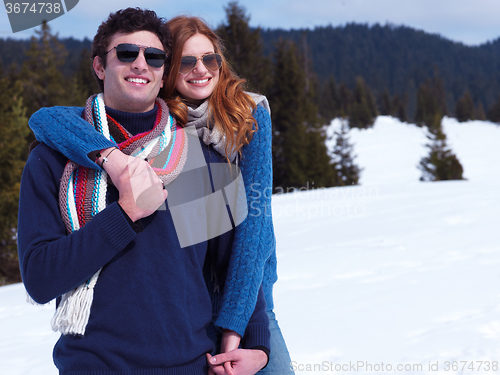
(151, 304)
(253, 257)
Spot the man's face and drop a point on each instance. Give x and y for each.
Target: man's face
(130, 86)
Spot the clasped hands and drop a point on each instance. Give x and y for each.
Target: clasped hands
(140, 194)
(234, 361)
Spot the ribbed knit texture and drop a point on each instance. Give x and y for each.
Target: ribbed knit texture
(151, 304)
(135, 121)
(189, 369)
(64, 129)
(83, 191)
(253, 260)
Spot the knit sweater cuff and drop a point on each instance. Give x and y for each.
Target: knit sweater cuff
(65, 137)
(256, 335)
(234, 323)
(115, 227)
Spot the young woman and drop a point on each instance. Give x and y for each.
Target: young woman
(201, 90)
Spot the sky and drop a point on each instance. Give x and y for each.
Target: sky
(470, 22)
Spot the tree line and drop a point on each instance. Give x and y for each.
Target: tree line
(304, 99)
(398, 59)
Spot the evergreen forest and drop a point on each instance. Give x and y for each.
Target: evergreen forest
(355, 72)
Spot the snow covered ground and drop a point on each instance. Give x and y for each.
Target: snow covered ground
(393, 275)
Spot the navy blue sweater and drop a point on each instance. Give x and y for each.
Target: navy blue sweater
(151, 302)
(253, 262)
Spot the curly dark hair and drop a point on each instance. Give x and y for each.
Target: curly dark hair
(128, 21)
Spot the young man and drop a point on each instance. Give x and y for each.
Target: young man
(131, 299)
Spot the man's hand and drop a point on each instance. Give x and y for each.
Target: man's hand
(237, 362)
(141, 190)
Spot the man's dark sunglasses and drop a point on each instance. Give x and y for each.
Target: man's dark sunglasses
(127, 52)
(212, 61)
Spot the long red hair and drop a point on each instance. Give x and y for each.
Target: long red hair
(230, 107)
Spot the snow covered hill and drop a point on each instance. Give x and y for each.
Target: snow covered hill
(393, 275)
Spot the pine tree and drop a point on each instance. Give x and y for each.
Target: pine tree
(399, 108)
(244, 48)
(464, 108)
(288, 119)
(306, 61)
(426, 106)
(13, 146)
(431, 101)
(43, 82)
(82, 84)
(363, 110)
(385, 103)
(320, 169)
(346, 99)
(77, 91)
(84, 78)
(300, 155)
(493, 113)
(287, 98)
(329, 101)
(346, 171)
(479, 113)
(441, 163)
(394, 106)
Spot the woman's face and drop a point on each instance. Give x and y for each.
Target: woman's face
(200, 83)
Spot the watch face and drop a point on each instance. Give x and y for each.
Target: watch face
(27, 14)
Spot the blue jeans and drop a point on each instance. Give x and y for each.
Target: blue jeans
(279, 360)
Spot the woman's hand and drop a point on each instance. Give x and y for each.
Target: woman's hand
(230, 341)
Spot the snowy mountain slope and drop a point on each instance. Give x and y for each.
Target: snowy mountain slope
(395, 271)
(393, 275)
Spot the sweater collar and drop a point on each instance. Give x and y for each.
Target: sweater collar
(135, 123)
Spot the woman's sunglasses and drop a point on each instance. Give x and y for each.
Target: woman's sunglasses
(212, 61)
(127, 52)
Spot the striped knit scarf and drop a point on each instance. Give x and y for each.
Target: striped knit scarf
(82, 192)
